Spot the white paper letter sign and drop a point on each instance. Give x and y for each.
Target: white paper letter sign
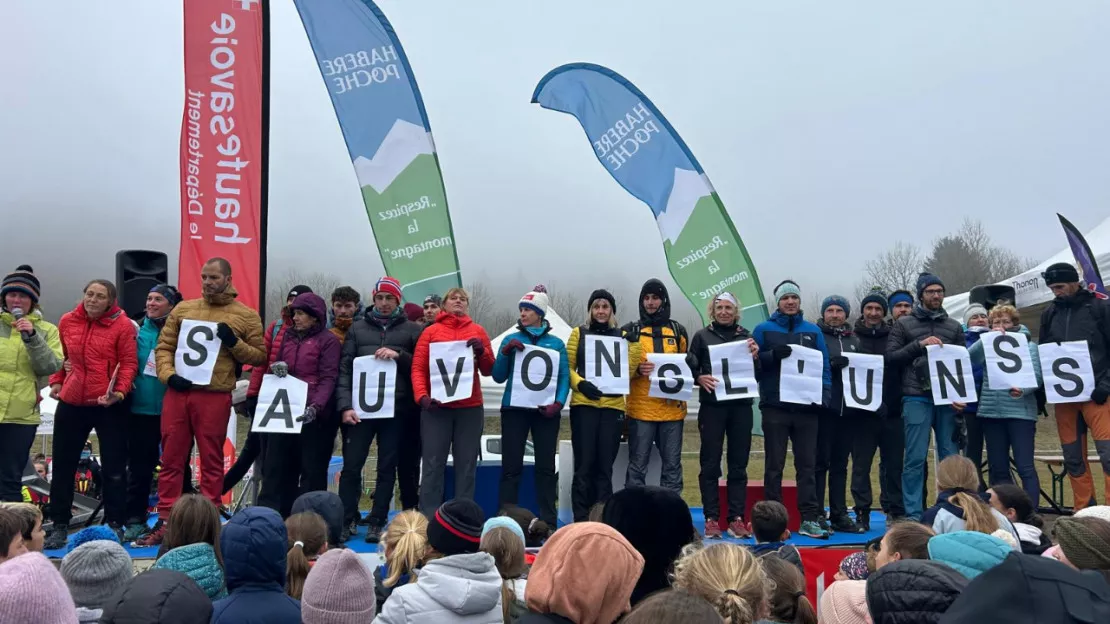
(672, 378)
(197, 351)
(373, 387)
(535, 376)
(450, 370)
(800, 376)
(732, 366)
(1008, 363)
(281, 401)
(863, 381)
(950, 376)
(606, 363)
(1067, 371)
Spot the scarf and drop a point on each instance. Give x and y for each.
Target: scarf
(932, 315)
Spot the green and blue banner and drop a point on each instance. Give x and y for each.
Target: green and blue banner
(645, 155)
(386, 128)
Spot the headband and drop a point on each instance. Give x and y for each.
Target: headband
(729, 297)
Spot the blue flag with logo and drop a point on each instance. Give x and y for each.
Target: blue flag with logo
(1084, 258)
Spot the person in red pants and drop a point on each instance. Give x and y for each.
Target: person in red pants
(193, 411)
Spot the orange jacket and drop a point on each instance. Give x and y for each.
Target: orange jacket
(447, 328)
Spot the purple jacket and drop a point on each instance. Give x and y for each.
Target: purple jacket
(312, 356)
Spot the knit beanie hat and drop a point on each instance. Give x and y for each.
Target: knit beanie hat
(854, 566)
(504, 522)
(926, 280)
(601, 293)
(1060, 273)
(91, 534)
(845, 602)
(787, 287)
(456, 527)
(299, 289)
(388, 285)
(339, 590)
(169, 292)
(836, 300)
(1102, 512)
(1084, 548)
(413, 312)
(875, 296)
(900, 296)
(32, 590)
(22, 280)
(434, 298)
(536, 301)
(95, 570)
(974, 310)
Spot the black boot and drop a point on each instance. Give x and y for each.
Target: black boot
(56, 539)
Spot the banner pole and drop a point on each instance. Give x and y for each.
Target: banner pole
(264, 211)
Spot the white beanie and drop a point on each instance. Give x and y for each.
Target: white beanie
(974, 310)
(1102, 512)
(536, 301)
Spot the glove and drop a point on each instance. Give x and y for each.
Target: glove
(226, 336)
(476, 344)
(781, 352)
(1099, 396)
(589, 390)
(250, 404)
(281, 369)
(513, 345)
(309, 414)
(427, 402)
(632, 335)
(551, 411)
(179, 383)
(838, 362)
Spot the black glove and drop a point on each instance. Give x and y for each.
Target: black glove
(589, 390)
(427, 403)
(632, 335)
(838, 362)
(308, 416)
(959, 434)
(179, 383)
(250, 404)
(781, 352)
(1099, 396)
(226, 336)
(476, 344)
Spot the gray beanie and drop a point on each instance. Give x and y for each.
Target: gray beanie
(94, 571)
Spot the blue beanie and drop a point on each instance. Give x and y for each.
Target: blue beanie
(91, 534)
(836, 300)
(875, 296)
(506, 523)
(900, 296)
(926, 280)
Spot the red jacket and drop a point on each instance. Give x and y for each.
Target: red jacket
(93, 349)
(273, 348)
(449, 327)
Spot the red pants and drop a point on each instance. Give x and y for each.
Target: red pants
(187, 415)
(1073, 421)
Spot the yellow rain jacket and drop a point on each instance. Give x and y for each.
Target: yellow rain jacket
(576, 359)
(22, 364)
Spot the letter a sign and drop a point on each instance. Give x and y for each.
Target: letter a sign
(450, 370)
(535, 375)
(606, 363)
(281, 401)
(197, 351)
(373, 387)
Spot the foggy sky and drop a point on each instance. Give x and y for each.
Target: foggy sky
(830, 130)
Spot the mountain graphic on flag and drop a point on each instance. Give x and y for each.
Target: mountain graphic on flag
(401, 146)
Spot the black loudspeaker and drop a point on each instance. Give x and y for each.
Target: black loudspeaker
(989, 295)
(137, 271)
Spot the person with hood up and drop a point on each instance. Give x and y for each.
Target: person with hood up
(719, 418)
(976, 323)
(458, 585)
(30, 349)
(1012, 501)
(595, 418)
(32, 592)
(652, 420)
(782, 421)
(913, 592)
(254, 546)
(453, 428)
(311, 354)
(928, 325)
(159, 597)
(346, 308)
(968, 552)
(194, 411)
(328, 506)
(383, 333)
(584, 574)
(542, 421)
(101, 364)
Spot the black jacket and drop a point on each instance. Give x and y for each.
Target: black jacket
(1081, 317)
(544, 618)
(698, 354)
(158, 597)
(903, 347)
(913, 591)
(365, 337)
(839, 340)
(872, 340)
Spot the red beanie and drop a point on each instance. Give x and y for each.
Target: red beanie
(388, 285)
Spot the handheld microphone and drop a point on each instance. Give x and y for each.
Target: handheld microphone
(17, 313)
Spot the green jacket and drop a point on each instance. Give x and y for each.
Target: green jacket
(22, 363)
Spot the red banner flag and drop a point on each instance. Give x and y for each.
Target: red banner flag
(223, 144)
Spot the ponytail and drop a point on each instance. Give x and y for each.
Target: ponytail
(296, 570)
(733, 608)
(306, 531)
(977, 514)
(804, 613)
(406, 545)
(959, 474)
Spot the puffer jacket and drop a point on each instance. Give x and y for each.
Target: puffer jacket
(1081, 316)
(219, 308)
(368, 334)
(998, 403)
(904, 349)
(971, 338)
(198, 562)
(23, 363)
(839, 340)
(872, 340)
(272, 339)
(538, 337)
(447, 328)
(460, 589)
(158, 597)
(146, 397)
(254, 544)
(94, 347)
(658, 334)
(784, 329)
(698, 357)
(576, 355)
(945, 517)
(912, 591)
(313, 355)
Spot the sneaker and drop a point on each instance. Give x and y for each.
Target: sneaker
(117, 528)
(134, 531)
(737, 529)
(56, 539)
(712, 529)
(845, 524)
(153, 538)
(373, 533)
(823, 522)
(812, 529)
(349, 529)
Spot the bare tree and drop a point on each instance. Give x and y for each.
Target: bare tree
(566, 301)
(482, 303)
(968, 258)
(320, 283)
(894, 269)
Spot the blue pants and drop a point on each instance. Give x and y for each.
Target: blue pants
(1004, 434)
(667, 436)
(920, 418)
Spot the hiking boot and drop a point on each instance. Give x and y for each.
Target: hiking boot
(844, 524)
(56, 539)
(153, 538)
(134, 531)
(812, 529)
(349, 529)
(373, 533)
(863, 519)
(712, 529)
(737, 529)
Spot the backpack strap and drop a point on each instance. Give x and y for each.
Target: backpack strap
(277, 329)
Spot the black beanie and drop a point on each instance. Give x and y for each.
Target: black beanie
(22, 280)
(298, 290)
(925, 280)
(875, 296)
(1060, 273)
(456, 527)
(601, 293)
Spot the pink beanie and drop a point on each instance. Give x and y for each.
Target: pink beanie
(338, 590)
(32, 592)
(845, 602)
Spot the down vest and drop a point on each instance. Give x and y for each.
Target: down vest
(903, 347)
(94, 347)
(22, 363)
(313, 355)
(364, 337)
(450, 327)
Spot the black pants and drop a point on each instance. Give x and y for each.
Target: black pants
(408, 456)
(715, 421)
(515, 425)
(356, 448)
(72, 425)
(974, 449)
(144, 439)
(318, 443)
(247, 456)
(15, 449)
(866, 437)
(291, 463)
(800, 429)
(595, 436)
(455, 431)
(834, 446)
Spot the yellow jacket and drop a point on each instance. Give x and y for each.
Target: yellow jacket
(662, 338)
(219, 308)
(576, 397)
(22, 364)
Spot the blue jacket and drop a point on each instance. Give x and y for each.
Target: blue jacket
(198, 562)
(253, 543)
(540, 337)
(999, 403)
(782, 329)
(971, 338)
(146, 398)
